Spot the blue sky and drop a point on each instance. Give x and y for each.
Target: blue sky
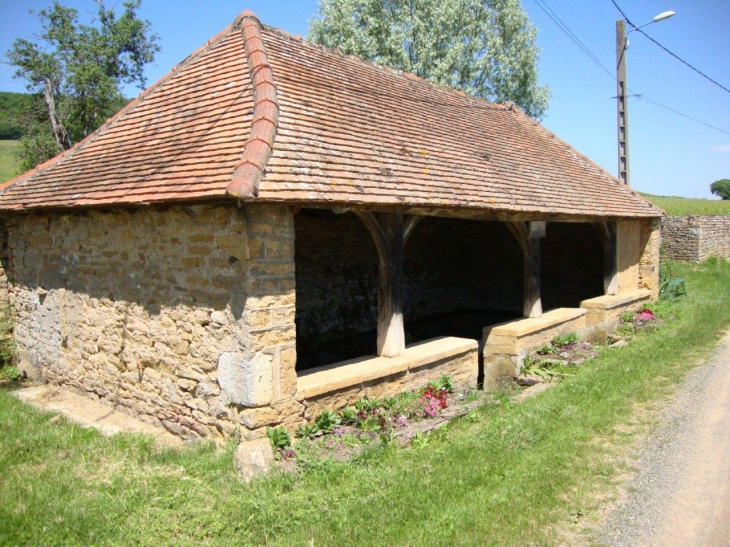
(670, 155)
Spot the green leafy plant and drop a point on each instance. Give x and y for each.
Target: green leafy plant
(670, 286)
(444, 382)
(11, 373)
(419, 440)
(534, 367)
(308, 431)
(546, 349)
(327, 420)
(367, 405)
(279, 437)
(561, 340)
(389, 403)
(627, 317)
(348, 416)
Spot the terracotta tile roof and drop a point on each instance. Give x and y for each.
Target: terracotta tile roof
(261, 115)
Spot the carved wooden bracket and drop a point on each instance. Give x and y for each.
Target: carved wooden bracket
(390, 232)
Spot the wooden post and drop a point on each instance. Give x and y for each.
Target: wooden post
(528, 235)
(390, 233)
(607, 233)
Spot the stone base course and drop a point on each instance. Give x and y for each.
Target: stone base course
(506, 345)
(341, 384)
(604, 312)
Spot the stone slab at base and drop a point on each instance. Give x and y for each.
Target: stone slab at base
(506, 344)
(253, 458)
(340, 384)
(88, 413)
(603, 312)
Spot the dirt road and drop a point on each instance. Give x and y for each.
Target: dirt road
(681, 495)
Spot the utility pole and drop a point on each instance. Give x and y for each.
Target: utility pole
(622, 98)
(622, 103)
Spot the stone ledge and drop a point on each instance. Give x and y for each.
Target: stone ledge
(609, 302)
(531, 325)
(346, 374)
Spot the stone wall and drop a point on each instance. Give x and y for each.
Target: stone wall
(183, 316)
(650, 244)
(695, 238)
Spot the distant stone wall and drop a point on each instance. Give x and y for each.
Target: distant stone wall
(183, 316)
(695, 238)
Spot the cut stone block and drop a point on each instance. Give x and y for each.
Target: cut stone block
(253, 458)
(247, 382)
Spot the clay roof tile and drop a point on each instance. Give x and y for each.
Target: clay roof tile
(258, 114)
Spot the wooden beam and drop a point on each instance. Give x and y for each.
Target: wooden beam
(607, 233)
(389, 233)
(411, 221)
(528, 235)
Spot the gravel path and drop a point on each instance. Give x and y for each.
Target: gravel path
(681, 496)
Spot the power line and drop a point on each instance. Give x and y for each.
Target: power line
(556, 19)
(698, 71)
(562, 26)
(685, 62)
(640, 97)
(623, 14)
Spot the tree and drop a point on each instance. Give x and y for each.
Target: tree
(484, 47)
(721, 188)
(78, 70)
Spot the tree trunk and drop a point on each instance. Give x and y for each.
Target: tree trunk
(59, 131)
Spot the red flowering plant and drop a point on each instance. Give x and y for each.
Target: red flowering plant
(433, 401)
(643, 316)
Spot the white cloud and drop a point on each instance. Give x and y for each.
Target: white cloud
(721, 148)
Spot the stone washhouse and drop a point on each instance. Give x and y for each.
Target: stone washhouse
(275, 227)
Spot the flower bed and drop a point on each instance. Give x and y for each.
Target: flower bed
(407, 417)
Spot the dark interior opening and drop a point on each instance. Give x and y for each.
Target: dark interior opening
(571, 262)
(460, 276)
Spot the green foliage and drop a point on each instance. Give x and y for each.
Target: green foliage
(10, 373)
(546, 349)
(678, 207)
(279, 437)
(308, 431)
(36, 147)
(327, 420)
(444, 382)
(532, 366)
(348, 415)
(670, 286)
(12, 107)
(487, 48)
(9, 162)
(721, 188)
(561, 340)
(77, 69)
(367, 405)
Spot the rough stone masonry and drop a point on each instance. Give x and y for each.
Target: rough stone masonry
(184, 316)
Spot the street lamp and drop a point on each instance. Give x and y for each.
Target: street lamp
(622, 101)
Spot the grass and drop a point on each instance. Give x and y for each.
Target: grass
(9, 164)
(513, 474)
(678, 207)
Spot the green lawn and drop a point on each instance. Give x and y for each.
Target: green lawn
(513, 474)
(9, 164)
(678, 207)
